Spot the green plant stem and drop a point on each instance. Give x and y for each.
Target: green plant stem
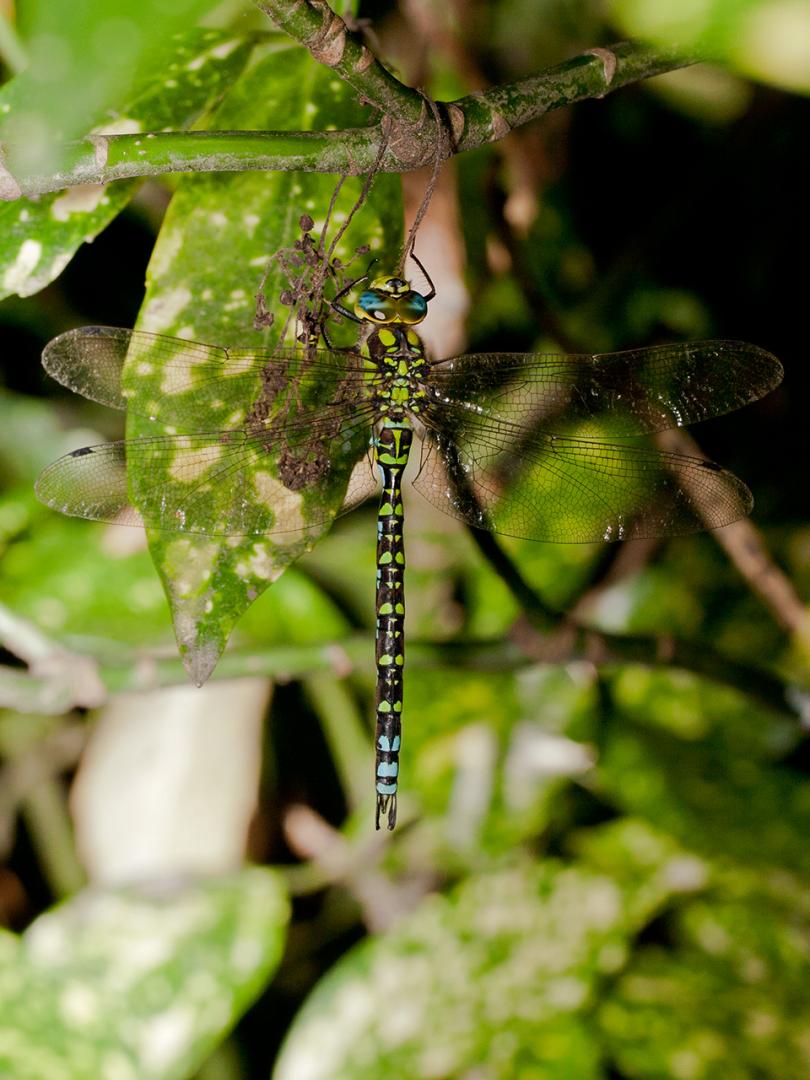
(347, 734)
(46, 816)
(12, 50)
(539, 614)
(471, 121)
(593, 74)
(571, 642)
(37, 750)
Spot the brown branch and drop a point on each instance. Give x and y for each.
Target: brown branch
(746, 549)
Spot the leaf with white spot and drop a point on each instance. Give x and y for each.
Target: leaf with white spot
(728, 998)
(215, 243)
(38, 237)
(709, 797)
(496, 979)
(133, 987)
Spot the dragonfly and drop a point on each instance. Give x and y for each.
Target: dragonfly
(542, 446)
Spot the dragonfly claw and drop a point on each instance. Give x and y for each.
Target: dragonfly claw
(386, 804)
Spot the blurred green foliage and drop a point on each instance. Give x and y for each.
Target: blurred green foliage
(81, 63)
(601, 869)
(767, 39)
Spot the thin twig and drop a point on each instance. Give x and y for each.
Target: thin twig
(59, 675)
(542, 617)
(23, 639)
(551, 637)
(741, 540)
(747, 551)
(328, 858)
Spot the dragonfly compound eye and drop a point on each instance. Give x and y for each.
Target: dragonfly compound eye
(380, 307)
(375, 306)
(412, 307)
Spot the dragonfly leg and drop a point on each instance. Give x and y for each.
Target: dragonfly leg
(428, 296)
(340, 308)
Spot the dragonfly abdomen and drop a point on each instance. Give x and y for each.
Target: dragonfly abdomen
(391, 449)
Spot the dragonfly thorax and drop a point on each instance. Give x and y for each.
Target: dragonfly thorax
(399, 357)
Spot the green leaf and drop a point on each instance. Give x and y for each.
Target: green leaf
(38, 237)
(652, 866)
(494, 752)
(31, 435)
(114, 983)
(729, 1003)
(755, 813)
(493, 980)
(217, 238)
(90, 587)
(689, 707)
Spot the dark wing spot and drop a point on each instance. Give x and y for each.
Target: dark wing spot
(82, 452)
(712, 465)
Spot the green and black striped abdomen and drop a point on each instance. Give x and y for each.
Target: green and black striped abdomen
(391, 448)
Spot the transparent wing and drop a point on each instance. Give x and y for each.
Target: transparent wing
(178, 381)
(233, 483)
(569, 489)
(639, 391)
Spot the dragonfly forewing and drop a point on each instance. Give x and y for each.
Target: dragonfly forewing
(187, 385)
(246, 442)
(634, 392)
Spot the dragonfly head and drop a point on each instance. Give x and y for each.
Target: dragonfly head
(391, 300)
